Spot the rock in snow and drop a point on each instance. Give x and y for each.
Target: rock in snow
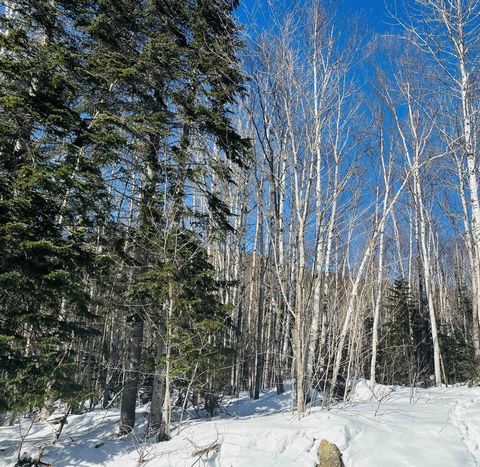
(329, 455)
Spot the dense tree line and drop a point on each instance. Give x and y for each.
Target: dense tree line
(188, 210)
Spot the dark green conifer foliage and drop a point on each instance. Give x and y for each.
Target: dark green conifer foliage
(166, 75)
(402, 355)
(183, 296)
(50, 199)
(458, 353)
(143, 89)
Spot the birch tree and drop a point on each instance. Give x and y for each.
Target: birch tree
(447, 32)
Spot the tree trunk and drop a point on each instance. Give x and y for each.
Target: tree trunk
(132, 374)
(156, 423)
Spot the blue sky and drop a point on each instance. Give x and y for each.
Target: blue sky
(373, 11)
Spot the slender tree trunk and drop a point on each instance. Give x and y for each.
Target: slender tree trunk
(378, 301)
(132, 373)
(156, 422)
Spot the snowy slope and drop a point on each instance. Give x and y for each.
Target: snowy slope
(397, 427)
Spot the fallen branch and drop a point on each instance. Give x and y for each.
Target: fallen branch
(213, 447)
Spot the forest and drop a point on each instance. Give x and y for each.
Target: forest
(204, 197)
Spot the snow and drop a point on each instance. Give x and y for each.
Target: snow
(362, 392)
(390, 426)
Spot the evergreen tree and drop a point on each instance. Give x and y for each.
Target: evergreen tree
(51, 203)
(166, 75)
(458, 351)
(402, 356)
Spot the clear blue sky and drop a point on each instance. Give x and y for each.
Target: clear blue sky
(373, 11)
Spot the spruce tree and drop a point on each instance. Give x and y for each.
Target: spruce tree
(166, 76)
(458, 351)
(402, 357)
(51, 202)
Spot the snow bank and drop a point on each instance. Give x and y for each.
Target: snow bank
(362, 392)
(391, 426)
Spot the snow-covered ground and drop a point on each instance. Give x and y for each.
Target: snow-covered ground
(396, 427)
